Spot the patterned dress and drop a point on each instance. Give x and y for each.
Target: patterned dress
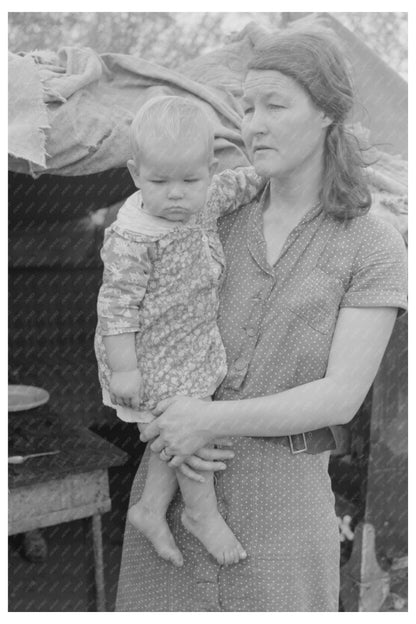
(277, 324)
(161, 282)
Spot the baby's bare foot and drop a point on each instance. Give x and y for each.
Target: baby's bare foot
(154, 526)
(215, 535)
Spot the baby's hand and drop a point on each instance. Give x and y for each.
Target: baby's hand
(126, 388)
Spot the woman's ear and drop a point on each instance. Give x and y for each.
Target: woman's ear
(326, 121)
(134, 172)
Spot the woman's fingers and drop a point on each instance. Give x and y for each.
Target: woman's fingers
(163, 405)
(150, 432)
(147, 417)
(177, 461)
(157, 445)
(191, 474)
(212, 454)
(223, 442)
(197, 463)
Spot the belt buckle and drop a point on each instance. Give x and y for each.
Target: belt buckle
(293, 442)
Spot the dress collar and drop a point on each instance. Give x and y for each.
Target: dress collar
(134, 218)
(255, 236)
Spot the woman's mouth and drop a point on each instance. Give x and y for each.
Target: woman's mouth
(261, 149)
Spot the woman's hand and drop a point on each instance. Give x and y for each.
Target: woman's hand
(181, 427)
(204, 460)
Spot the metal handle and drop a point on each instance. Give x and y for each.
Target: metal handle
(19, 459)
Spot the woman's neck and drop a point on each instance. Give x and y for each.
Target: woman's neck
(293, 195)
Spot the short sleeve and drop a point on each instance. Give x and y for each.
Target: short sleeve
(379, 276)
(126, 272)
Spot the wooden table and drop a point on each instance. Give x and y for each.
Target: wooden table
(71, 485)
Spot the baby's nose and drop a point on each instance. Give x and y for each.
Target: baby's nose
(175, 192)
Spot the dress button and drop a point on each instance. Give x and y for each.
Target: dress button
(240, 364)
(251, 331)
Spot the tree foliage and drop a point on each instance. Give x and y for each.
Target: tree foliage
(173, 38)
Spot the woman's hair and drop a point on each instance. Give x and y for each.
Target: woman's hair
(172, 118)
(313, 59)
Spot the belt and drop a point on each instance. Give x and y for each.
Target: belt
(312, 442)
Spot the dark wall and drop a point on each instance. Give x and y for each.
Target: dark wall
(54, 277)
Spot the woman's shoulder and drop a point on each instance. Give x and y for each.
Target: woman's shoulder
(373, 231)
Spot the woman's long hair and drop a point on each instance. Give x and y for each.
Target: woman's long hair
(313, 59)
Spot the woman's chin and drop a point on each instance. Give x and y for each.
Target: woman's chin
(264, 169)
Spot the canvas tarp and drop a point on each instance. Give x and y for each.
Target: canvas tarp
(89, 100)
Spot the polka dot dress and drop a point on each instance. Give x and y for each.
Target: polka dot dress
(277, 325)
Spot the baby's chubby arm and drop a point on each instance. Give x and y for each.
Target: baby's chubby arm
(233, 188)
(126, 382)
(126, 272)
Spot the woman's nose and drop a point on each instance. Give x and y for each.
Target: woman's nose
(257, 123)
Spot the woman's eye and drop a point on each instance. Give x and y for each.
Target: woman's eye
(248, 111)
(191, 180)
(157, 181)
(275, 106)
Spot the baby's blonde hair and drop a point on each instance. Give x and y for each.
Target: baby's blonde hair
(174, 118)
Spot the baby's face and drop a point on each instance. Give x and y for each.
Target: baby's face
(174, 179)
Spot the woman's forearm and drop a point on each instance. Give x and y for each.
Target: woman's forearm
(311, 406)
(358, 345)
(360, 338)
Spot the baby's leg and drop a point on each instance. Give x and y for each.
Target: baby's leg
(202, 518)
(148, 515)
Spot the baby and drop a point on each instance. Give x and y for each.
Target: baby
(157, 334)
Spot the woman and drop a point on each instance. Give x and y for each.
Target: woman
(311, 295)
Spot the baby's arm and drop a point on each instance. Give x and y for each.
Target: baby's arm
(126, 272)
(125, 384)
(233, 188)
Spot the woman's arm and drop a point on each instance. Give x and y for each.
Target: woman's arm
(359, 342)
(233, 188)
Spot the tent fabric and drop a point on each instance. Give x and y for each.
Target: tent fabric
(89, 100)
(28, 116)
(381, 93)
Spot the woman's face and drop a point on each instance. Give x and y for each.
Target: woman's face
(282, 128)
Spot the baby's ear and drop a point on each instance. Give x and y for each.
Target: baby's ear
(213, 167)
(134, 172)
